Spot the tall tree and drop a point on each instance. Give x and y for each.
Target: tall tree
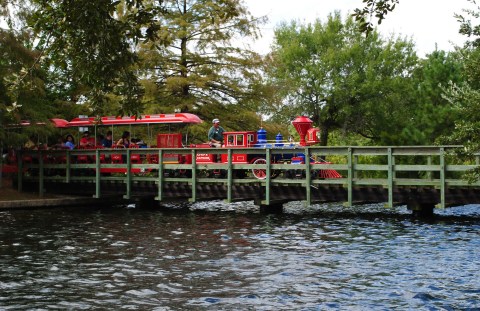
(434, 115)
(465, 97)
(341, 79)
(195, 55)
(22, 79)
(92, 45)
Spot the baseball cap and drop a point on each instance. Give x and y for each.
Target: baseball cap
(215, 121)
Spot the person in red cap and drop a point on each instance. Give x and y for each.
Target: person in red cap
(215, 134)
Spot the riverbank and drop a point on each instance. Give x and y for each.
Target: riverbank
(8, 193)
(10, 198)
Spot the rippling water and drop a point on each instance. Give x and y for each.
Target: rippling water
(238, 259)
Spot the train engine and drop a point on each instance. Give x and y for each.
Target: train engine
(289, 155)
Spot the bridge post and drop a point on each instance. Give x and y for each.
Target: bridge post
(194, 176)
(350, 178)
(128, 195)
(442, 177)
(97, 174)
(41, 175)
(229, 177)
(271, 209)
(390, 177)
(308, 178)
(421, 210)
(68, 171)
(268, 179)
(20, 171)
(160, 182)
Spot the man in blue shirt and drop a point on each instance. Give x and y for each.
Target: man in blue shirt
(107, 141)
(215, 134)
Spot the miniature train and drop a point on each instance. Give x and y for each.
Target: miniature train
(235, 140)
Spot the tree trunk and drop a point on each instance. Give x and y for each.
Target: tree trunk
(323, 135)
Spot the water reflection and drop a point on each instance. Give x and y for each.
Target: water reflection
(123, 258)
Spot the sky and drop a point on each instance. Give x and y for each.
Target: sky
(427, 22)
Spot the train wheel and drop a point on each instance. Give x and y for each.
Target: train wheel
(259, 173)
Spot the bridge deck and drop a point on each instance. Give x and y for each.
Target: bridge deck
(416, 176)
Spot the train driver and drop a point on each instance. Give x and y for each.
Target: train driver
(215, 134)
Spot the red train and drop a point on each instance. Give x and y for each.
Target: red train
(234, 140)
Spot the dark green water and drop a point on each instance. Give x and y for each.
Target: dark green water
(230, 257)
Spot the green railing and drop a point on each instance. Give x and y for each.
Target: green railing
(388, 167)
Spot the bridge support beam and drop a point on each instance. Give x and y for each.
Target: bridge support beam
(421, 210)
(271, 209)
(146, 201)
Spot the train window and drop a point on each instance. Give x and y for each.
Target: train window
(230, 140)
(250, 138)
(240, 140)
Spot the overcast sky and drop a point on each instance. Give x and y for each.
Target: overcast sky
(427, 22)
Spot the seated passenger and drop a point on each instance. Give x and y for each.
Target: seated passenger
(215, 134)
(69, 142)
(139, 142)
(124, 142)
(107, 141)
(99, 140)
(29, 144)
(86, 141)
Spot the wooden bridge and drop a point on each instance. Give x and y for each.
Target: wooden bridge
(421, 177)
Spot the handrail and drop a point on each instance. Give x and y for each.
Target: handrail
(385, 166)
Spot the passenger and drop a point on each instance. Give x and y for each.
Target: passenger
(99, 140)
(215, 134)
(29, 144)
(43, 146)
(11, 156)
(124, 141)
(107, 141)
(139, 142)
(86, 141)
(60, 144)
(69, 142)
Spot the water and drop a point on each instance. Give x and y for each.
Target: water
(231, 257)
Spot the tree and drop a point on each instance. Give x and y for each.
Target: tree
(465, 97)
(434, 116)
(191, 55)
(22, 79)
(373, 8)
(343, 80)
(91, 44)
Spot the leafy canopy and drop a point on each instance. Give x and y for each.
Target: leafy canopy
(341, 79)
(194, 57)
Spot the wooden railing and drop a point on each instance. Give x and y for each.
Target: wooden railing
(388, 167)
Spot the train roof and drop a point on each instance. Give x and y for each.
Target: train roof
(143, 119)
(59, 123)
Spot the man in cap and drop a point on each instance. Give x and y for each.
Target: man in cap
(215, 134)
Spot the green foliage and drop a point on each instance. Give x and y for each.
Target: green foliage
(88, 43)
(434, 115)
(190, 57)
(373, 8)
(341, 79)
(465, 97)
(22, 82)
